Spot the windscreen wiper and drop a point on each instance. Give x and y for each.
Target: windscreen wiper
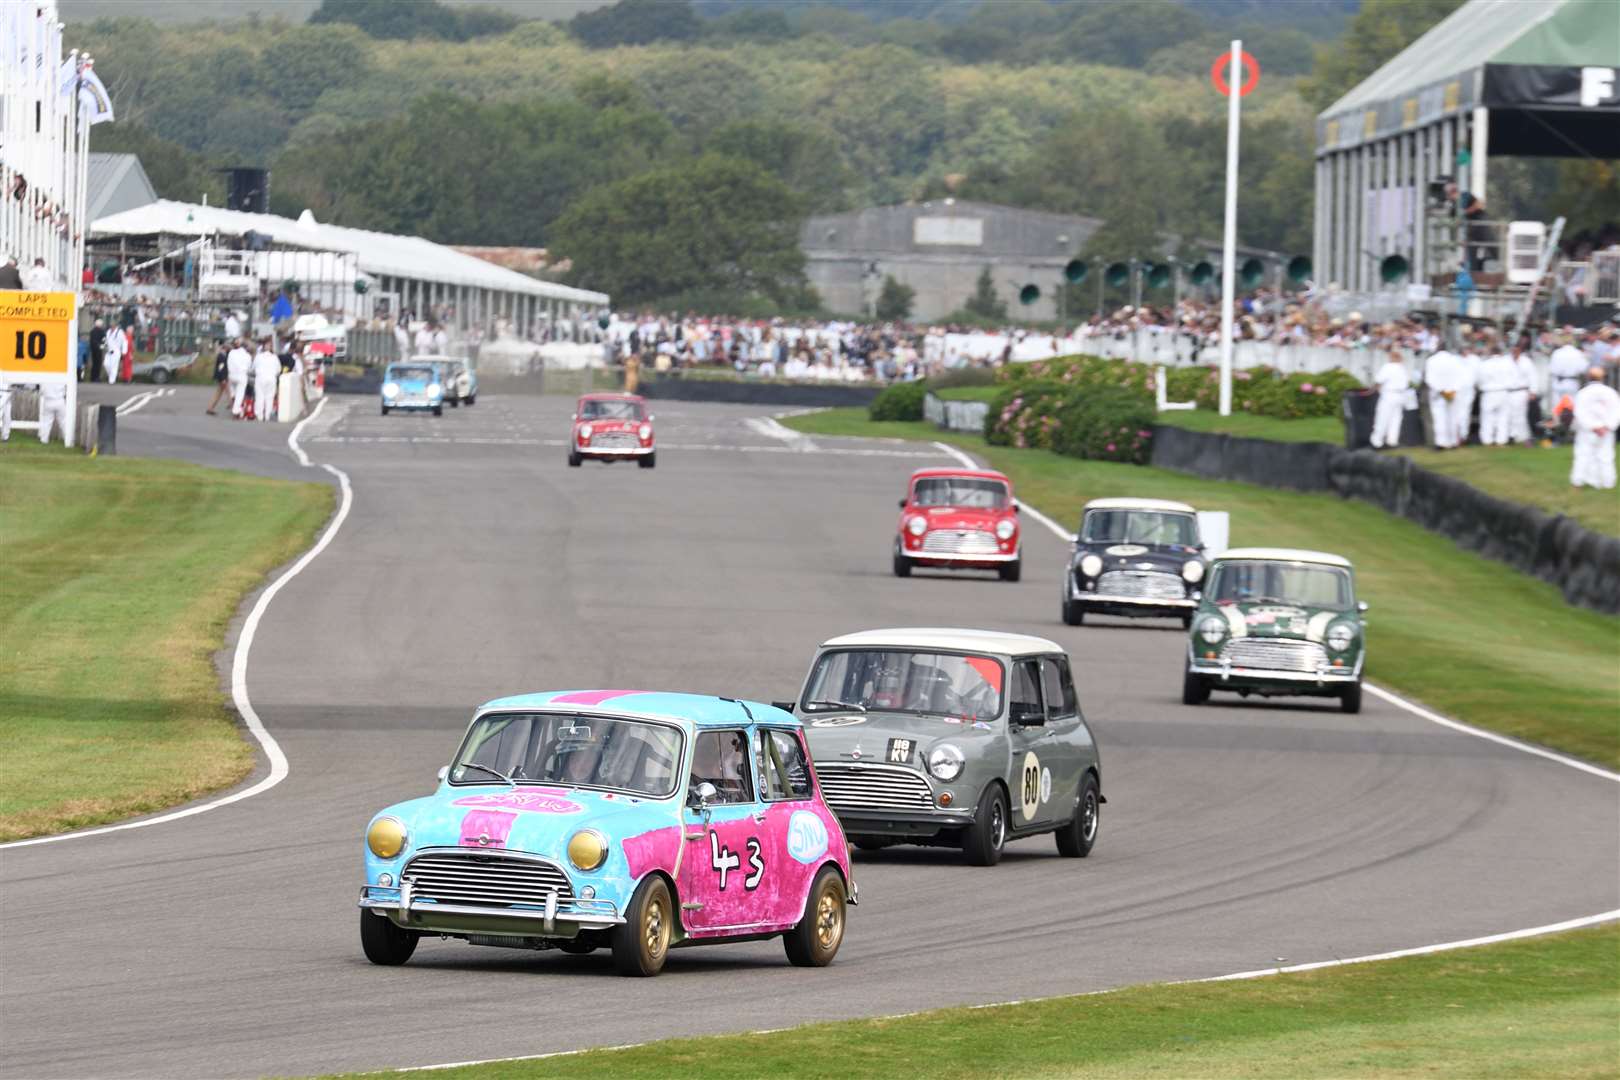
(486, 769)
(835, 705)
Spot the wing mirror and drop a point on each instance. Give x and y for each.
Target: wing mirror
(444, 771)
(1361, 606)
(902, 504)
(701, 795)
(785, 706)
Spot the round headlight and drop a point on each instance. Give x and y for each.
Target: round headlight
(1090, 565)
(386, 837)
(917, 526)
(1192, 570)
(945, 762)
(1212, 629)
(587, 849)
(585, 432)
(390, 389)
(1005, 528)
(434, 389)
(646, 431)
(1340, 637)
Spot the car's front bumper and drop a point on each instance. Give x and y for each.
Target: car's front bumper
(1114, 604)
(1226, 675)
(929, 558)
(556, 918)
(614, 451)
(413, 403)
(916, 823)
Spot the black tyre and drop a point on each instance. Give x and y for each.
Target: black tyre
(872, 843)
(902, 565)
(438, 410)
(574, 460)
(455, 403)
(1186, 621)
(1075, 839)
(580, 946)
(815, 940)
(161, 375)
(1194, 689)
(383, 942)
(983, 841)
(1350, 698)
(649, 461)
(1012, 571)
(473, 400)
(1073, 613)
(641, 942)
(385, 410)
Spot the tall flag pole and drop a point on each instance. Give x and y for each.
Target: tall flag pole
(1234, 81)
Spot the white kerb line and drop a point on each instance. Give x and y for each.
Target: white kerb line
(239, 662)
(968, 463)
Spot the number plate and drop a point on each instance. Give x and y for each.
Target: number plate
(900, 751)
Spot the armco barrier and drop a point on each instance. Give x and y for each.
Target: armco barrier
(955, 415)
(1584, 565)
(752, 392)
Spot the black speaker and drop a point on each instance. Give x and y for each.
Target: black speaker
(247, 190)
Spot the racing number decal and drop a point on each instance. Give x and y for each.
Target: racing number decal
(1029, 787)
(724, 860)
(751, 882)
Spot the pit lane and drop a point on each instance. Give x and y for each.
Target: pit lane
(1238, 835)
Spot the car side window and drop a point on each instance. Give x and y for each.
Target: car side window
(782, 770)
(721, 758)
(1058, 687)
(1026, 692)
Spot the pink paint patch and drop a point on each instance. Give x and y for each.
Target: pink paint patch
(590, 697)
(655, 850)
(531, 802)
(486, 828)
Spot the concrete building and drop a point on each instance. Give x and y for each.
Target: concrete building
(939, 249)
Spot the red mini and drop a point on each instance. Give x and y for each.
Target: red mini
(958, 519)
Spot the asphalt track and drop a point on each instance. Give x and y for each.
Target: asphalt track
(474, 563)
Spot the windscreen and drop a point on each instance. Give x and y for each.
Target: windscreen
(411, 373)
(1140, 527)
(610, 410)
(1303, 584)
(895, 680)
(967, 492)
(571, 751)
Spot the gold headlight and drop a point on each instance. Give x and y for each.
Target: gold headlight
(386, 837)
(588, 849)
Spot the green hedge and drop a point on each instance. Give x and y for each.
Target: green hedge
(1100, 423)
(900, 401)
(1262, 391)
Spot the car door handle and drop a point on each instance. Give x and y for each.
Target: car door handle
(759, 817)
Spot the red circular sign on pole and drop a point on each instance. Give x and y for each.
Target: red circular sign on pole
(1251, 73)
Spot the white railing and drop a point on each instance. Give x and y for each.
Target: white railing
(1595, 281)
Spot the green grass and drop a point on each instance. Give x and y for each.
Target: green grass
(120, 577)
(1328, 429)
(1456, 631)
(1533, 475)
(1537, 1008)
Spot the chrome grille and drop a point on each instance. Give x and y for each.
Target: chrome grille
(615, 440)
(959, 542)
(457, 877)
(1275, 654)
(873, 787)
(1141, 584)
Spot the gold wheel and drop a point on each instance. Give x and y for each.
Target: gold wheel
(655, 929)
(829, 918)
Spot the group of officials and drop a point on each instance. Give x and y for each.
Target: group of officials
(1505, 385)
(236, 370)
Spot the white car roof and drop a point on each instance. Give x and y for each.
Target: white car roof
(1284, 555)
(1139, 504)
(938, 637)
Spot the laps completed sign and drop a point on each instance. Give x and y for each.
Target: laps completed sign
(35, 334)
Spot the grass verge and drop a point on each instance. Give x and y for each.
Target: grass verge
(1532, 475)
(1463, 634)
(121, 575)
(1328, 429)
(1544, 1007)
